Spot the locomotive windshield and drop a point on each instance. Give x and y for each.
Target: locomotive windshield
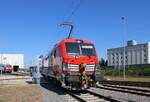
(87, 49)
(80, 49)
(73, 48)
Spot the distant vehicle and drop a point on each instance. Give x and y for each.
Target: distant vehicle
(21, 71)
(7, 68)
(35, 74)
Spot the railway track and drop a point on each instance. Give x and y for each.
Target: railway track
(82, 95)
(88, 96)
(127, 83)
(130, 90)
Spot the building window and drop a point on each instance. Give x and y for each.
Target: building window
(145, 60)
(113, 58)
(144, 55)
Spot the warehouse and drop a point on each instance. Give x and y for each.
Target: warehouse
(135, 54)
(15, 60)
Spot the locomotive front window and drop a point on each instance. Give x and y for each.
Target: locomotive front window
(80, 49)
(88, 50)
(73, 48)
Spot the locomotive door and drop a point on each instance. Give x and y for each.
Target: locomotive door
(58, 63)
(51, 65)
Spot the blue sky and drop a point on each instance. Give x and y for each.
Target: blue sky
(32, 27)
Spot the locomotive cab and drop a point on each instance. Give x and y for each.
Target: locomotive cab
(80, 64)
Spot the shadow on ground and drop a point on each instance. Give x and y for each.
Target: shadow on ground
(49, 85)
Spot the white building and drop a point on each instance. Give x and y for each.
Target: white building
(15, 60)
(134, 54)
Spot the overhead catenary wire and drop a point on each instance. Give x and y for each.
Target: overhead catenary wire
(73, 6)
(68, 20)
(74, 10)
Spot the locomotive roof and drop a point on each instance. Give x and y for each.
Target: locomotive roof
(68, 40)
(75, 40)
(71, 40)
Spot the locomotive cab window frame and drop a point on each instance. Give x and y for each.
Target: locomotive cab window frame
(81, 49)
(88, 50)
(72, 48)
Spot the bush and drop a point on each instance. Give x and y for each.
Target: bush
(130, 71)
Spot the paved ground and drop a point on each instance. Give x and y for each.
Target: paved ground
(51, 93)
(23, 90)
(20, 93)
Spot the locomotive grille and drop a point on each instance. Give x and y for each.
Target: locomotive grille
(90, 67)
(74, 67)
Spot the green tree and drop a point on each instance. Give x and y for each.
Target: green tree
(102, 62)
(106, 62)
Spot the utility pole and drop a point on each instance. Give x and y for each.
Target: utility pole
(124, 48)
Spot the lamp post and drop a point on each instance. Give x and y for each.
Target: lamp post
(124, 65)
(1, 64)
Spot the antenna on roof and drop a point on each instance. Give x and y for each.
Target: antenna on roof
(71, 27)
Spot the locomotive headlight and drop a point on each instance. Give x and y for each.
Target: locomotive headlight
(79, 41)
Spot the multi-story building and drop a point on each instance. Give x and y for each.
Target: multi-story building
(132, 54)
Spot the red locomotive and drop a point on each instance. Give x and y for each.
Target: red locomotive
(72, 62)
(8, 68)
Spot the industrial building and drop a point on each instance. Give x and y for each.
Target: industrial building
(15, 60)
(132, 54)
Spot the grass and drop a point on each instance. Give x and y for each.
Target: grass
(129, 78)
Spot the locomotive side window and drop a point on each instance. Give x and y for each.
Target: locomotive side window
(58, 52)
(55, 53)
(51, 59)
